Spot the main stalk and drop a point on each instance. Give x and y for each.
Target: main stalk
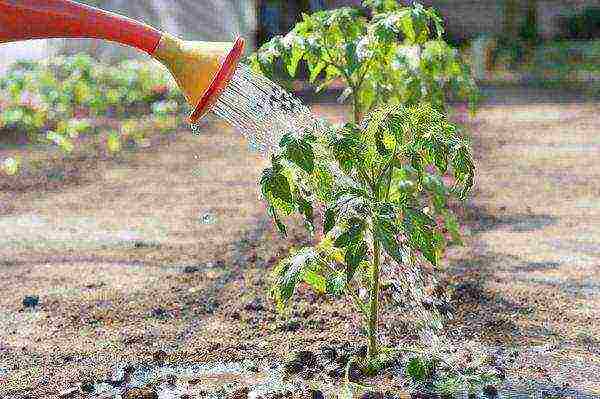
(373, 347)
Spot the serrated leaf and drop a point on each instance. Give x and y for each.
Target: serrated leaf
(329, 220)
(316, 70)
(289, 272)
(306, 209)
(351, 234)
(292, 61)
(419, 229)
(387, 231)
(451, 224)
(417, 369)
(280, 226)
(275, 183)
(336, 284)
(315, 281)
(354, 255)
(299, 151)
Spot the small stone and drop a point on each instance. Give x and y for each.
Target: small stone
(241, 393)
(67, 393)
(329, 352)
(159, 313)
(87, 386)
(31, 301)
(191, 269)
(254, 305)
(372, 395)
(490, 391)
(292, 325)
(160, 357)
(141, 393)
(316, 394)
(306, 357)
(334, 371)
(171, 379)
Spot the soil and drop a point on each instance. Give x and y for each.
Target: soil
(161, 257)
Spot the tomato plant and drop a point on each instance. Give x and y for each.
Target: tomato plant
(385, 53)
(384, 181)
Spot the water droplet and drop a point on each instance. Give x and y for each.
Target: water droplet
(196, 129)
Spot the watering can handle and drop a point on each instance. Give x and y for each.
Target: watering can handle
(43, 19)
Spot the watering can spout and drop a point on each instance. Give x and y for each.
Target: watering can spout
(201, 69)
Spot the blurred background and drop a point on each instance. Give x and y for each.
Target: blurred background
(521, 41)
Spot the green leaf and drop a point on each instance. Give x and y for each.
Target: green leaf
(352, 62)
(292, 61)
(417, 369)
(329, 221)
(451, 224)
(336, 284)
(306, 209)
(315, 70)
(367, 95)
(299, 151)
(315, 281)
(348, 148)
(419, 228)
(276, 184)
(386, 231)
(353, 232)
(289, 271)
(280, 226)
(354, 255)
(464, 167)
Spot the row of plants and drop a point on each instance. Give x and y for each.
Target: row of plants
(377, 193)
(62, 98)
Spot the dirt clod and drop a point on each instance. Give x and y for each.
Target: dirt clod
(372, 395)
(141, 393)
(293, 366)
(490, 391)
(160, 357)
(241, 393)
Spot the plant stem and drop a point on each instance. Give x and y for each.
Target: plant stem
(356, 107)
(373, 347)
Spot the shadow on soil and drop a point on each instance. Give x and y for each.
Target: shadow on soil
(483, 221)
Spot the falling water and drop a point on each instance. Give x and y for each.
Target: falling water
(262, 111)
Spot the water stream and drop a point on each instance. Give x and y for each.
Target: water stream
(262, 111)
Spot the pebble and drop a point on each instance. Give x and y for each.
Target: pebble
(141, 393)
(329, 352)
(31, 301)
(255, 305)
(67, 393)
(372, 395)
(160, 357)
(191, 269)
(316, 394)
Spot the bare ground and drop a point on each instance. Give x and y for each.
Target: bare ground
(106, 250)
